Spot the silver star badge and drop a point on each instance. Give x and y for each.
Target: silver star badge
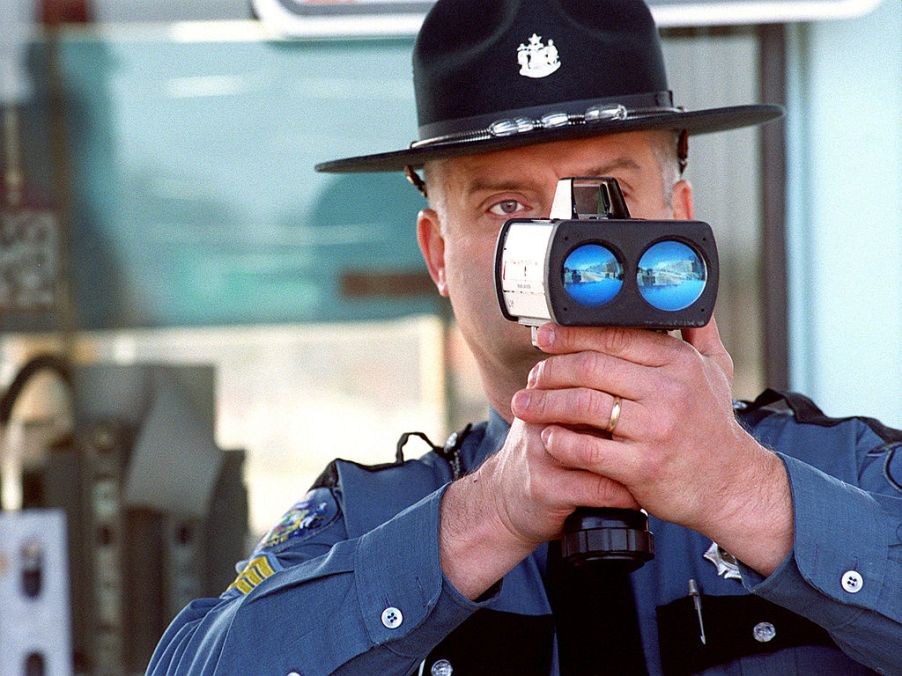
(724, 561)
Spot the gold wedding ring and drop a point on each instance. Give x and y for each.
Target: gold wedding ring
(615, 415)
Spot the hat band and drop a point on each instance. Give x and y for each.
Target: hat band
(585, 112)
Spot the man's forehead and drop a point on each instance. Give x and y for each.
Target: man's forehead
(509, 169)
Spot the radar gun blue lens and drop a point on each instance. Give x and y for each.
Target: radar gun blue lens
(592, 275)
(671, 275)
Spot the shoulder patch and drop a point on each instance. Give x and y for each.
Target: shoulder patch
(306, 518)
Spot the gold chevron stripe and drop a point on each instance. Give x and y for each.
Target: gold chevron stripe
(254, 573)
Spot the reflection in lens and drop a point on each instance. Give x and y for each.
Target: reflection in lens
(592, 275)
(671, 275)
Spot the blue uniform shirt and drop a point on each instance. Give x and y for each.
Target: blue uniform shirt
(349, 581)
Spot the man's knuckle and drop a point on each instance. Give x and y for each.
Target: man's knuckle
(654, 431)
(662, 426)
(650, 468)
(545, 404)
(668, 423)
(540, 491)
(672, 390)
(588, 452)
(687, 358)
(589, 362)
(588, 404)
(605, 490)
(727, 363)
(617, 340)
(544, 370)
(682, 391)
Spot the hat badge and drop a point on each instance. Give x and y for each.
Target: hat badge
(537, 59)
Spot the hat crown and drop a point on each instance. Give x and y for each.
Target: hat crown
(483, 59)
(493, 75)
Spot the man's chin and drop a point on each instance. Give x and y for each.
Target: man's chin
(522, 357)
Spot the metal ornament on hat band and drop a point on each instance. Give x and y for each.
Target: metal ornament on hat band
(555, 120)
(599, 112)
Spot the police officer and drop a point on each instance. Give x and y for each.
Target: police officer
(777, 530)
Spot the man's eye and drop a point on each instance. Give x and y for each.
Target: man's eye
(506, 208)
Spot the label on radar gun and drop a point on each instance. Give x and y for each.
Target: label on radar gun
(523, 274)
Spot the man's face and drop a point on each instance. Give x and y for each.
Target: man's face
(473, 196)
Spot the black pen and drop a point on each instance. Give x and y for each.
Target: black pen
(697, 602)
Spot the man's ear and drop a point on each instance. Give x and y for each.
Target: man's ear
(432, 246)
(683, 207)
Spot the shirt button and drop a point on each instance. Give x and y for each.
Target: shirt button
(852, 581)
(392, 617)
(442, 668)
(764, 632)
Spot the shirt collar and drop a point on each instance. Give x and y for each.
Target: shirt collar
(495, 433)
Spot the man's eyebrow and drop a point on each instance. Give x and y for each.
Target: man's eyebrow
(609, 167)
(488, 184)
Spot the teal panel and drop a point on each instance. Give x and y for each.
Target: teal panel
(844, 224)
(196, 202)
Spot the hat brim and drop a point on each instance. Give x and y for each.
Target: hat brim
(694, 122)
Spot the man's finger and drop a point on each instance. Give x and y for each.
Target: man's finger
(640, 346)
(595, 370)
(586, 489)
(706, 340)
(613, 459)
(581, 407)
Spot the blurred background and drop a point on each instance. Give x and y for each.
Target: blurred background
(194, 322)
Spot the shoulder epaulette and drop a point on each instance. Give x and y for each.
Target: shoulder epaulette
(806, 411)
(450, 452)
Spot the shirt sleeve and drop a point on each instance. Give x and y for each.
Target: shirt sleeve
(845, 569)
(317, 603)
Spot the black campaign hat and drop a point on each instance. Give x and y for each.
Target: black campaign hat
(494, 75)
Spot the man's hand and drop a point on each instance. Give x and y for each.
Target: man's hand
(677, 447)
(677, 451)
(518, 499)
